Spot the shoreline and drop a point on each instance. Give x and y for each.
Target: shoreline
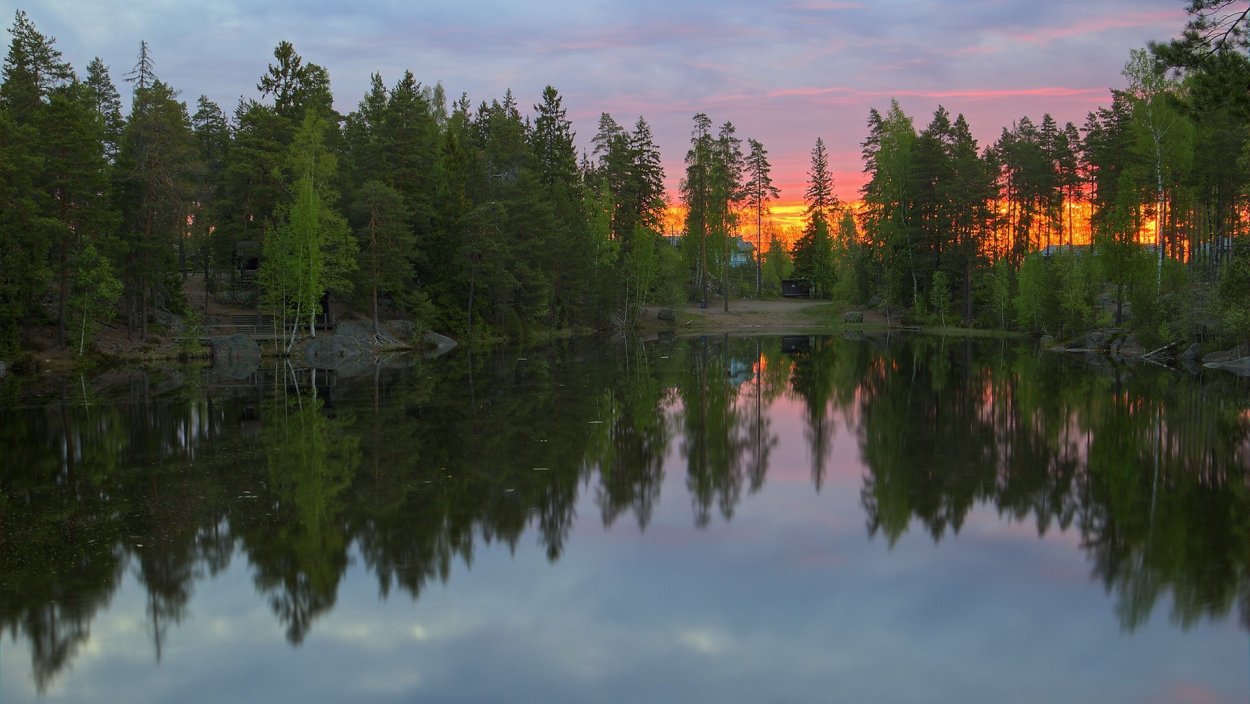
(766, 317)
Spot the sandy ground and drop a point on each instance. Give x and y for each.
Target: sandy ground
(751, 315)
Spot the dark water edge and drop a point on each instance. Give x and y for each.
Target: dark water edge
(309, 485)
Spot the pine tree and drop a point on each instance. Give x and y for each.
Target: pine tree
(108, 105)
(362, 133)
(696, 192)
(386, 243)
(56, 184)
(212, 138)
(819, 194)
(813, 252)
(154, 164)
(760, 192)
(33, 68)
(296, 87)
(76, 179)
(564, 243)
(889, 203)
(23, 244)
(406, 139)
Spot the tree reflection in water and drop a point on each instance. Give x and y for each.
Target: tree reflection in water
(409, 469)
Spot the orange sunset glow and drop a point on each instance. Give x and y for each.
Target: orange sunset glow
(786, 220)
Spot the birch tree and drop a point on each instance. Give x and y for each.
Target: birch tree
(312, 250)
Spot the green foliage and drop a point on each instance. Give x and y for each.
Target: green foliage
(154, 166)
(889, 214)
(1078, 285)
(814, 259)
(24, 243)
(940, 296)
(1234, 298)
(1055, 295)
(1034, 300)
(312, 251)
(777, 266)
(1145, 294)
(95, 293)
(385, 243)
(813, 253)
(712, 191)
(997, 284)
(1187, 305)
(669, 289)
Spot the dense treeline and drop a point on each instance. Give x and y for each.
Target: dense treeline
(1058, 229)
(483, 221)
(478, 220)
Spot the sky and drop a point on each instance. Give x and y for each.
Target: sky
(783, 73)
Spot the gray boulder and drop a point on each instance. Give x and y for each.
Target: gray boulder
(403, 330)
(345, 347)
(235, 356)
(1226, 355)
(1127, 346)
(853, 316)
(441, 344)
(1239, 366)
(1098, 340)
(666, 314)
(1191, 353)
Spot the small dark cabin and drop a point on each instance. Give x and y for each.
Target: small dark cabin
(796, 288)
(247, 259)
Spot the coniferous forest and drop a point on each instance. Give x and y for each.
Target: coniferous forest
(485, 220)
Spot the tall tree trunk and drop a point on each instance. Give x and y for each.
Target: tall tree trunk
(702, 277)
(62, 290)
(143, 288)
(967, 289)
(373, 251)
(759, 222)
(469, 332)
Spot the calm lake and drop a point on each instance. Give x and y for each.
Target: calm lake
(716, 519)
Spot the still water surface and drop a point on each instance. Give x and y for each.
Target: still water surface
(720, 519)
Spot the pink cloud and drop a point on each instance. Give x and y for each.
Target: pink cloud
(968, 51)
(1190, 693)
(967, 93)
(1166, 20)
(824, 5)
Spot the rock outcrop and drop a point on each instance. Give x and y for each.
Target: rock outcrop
(235, 356)
(1236, 360)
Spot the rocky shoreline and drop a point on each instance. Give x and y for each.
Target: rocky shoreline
(352, 348)
(1122, 345)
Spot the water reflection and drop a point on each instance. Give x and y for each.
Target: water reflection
(413, 470)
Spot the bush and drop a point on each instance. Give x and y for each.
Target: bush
(1234, 298)
(1078, 285)
(1034, 300)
